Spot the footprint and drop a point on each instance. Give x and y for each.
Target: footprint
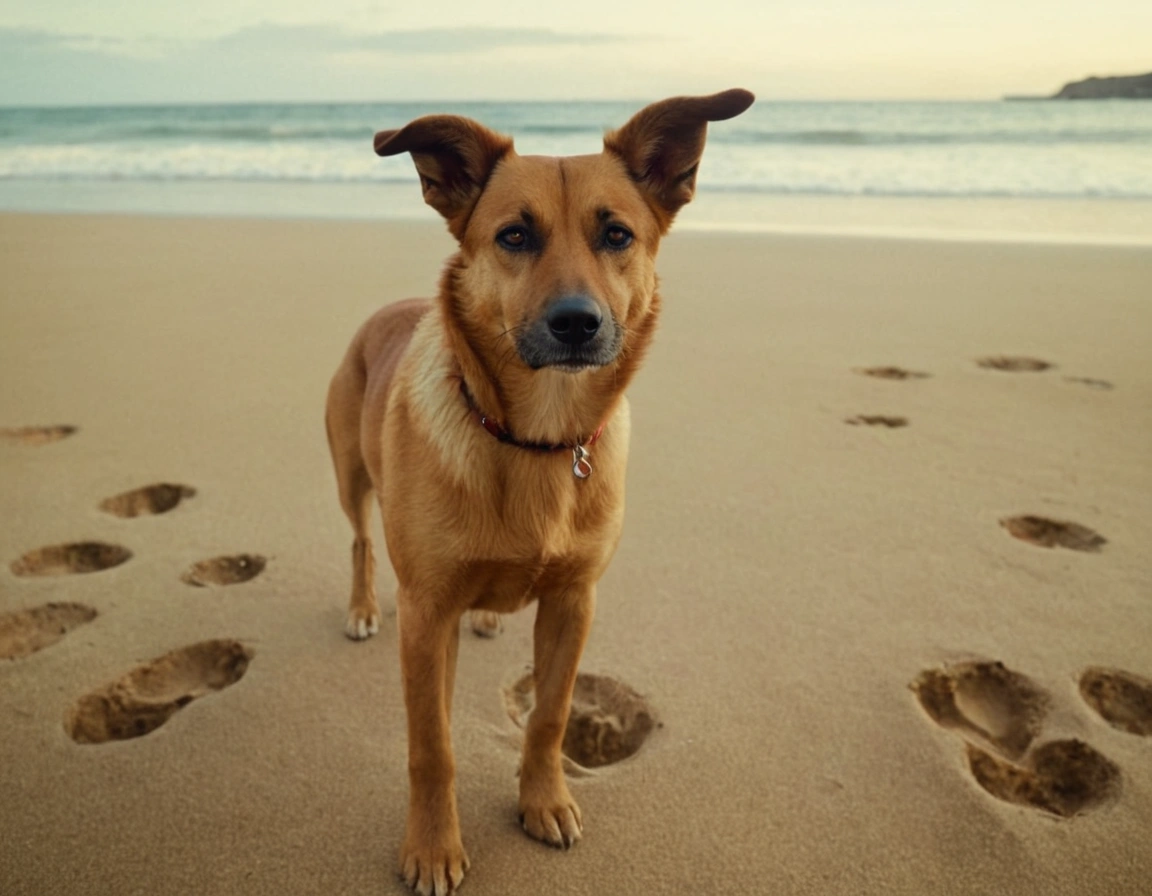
(145, 698)
(877, 420)
(151, 499)
(1064, 777)
(26, 631)
(1013, 364)
(1091, 383)
(37, 435)
(1121, 699)
(987, 700)
(224, 570)
(609, 721)
(1048, 533)
(892, 373)
(67, 559)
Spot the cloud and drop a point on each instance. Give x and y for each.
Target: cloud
(263, 62)
(427, 41)
(45, 67)
(306, 39)
(27, 40)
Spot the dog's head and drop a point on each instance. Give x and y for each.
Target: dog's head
(557, 254)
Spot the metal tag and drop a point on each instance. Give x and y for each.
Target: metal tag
(581, 462)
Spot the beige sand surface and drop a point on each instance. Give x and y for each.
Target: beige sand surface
(783, 578)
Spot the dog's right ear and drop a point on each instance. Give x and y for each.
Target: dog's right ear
(454, 157)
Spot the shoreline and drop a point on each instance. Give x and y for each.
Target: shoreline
(1118, 222)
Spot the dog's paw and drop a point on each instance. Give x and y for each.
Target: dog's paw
(485, 623)
(362, 623)
(556, 822)
(433, 869)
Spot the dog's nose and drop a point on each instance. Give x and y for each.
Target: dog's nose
(574, 320)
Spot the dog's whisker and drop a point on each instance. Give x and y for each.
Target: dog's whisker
(505, 357)
(509, 350)
(510, 332)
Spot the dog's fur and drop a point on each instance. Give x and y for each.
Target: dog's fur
(474, 523)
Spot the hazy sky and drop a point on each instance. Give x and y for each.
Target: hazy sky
(81, 51)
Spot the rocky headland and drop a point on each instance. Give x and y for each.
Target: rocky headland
(1133, 87)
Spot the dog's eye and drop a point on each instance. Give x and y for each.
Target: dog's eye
(513, 238)
(617, 237)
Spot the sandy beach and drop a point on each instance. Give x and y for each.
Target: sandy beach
(815, 585)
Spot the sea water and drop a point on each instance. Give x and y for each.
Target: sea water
(317, 159)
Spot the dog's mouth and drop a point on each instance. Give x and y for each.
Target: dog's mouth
(540, 350)
(572, 335)
(539, 359)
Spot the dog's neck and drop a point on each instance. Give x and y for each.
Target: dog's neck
(501, 434)
(557, 408)
(544, 407)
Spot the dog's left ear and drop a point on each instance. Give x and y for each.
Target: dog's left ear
(454, 157)
(662, 144)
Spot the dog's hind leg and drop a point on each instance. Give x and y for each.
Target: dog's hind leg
(363, 608)
(345, 401)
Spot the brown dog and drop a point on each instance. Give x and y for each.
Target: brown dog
(492, 426)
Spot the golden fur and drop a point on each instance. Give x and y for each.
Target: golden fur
(472, 523)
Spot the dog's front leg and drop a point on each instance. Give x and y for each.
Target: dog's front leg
(547, 809)
(432, 859)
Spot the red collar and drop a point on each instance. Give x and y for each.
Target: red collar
(580, 457)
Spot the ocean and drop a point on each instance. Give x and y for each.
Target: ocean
(317, 159)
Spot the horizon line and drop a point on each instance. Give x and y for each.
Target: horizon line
(144, 104)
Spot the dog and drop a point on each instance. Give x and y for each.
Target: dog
(491, 426)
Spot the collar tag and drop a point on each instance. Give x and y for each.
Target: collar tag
(581, 462)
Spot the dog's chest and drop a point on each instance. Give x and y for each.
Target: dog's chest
(538, 548)
(506, 587)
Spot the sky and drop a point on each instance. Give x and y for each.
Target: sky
(79, 52)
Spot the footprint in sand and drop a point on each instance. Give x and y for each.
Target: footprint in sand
(36, 435)
(224, 570)
(609, 721)
(147, 501)
(142, 700)
(1091, 383)
(891, 373)
(26, 631)
(1014, 364)
(1063, 777)
(69, 559)
(877, 420)
(1004, 711)
(984, 700)
(1048, 533)
(1121, 699)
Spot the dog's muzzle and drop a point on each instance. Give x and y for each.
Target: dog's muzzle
(572, 334)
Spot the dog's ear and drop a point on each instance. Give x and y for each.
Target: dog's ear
(453, 157)
(662, 144)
